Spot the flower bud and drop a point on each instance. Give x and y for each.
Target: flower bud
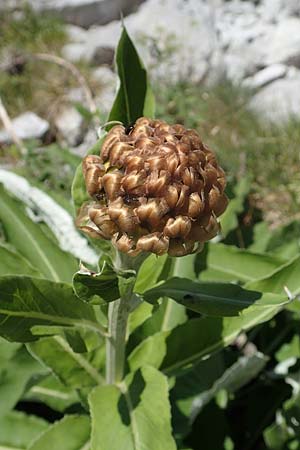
(156, 188)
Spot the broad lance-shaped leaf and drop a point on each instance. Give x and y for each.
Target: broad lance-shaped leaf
(32, 243)
(187, 344)
(26, 302)
(17, 430)
(134, 98)
(226, 263)
(12, 263)
(287, 275)
(214, 299)
(75, 370)
(134, 415)
(70, 433)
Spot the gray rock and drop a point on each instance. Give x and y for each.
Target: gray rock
(26, 126)
(279, 101)
(266, 76)
(81, 12)
(70, 126)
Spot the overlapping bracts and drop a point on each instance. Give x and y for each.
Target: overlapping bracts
(155, 188)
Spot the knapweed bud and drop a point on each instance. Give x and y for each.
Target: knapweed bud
(155, 188)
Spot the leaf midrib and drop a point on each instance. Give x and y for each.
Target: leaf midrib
(209, 297)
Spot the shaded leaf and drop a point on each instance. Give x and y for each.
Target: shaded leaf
(187, 344)
(240, 373)
(134, 415)
(217, 299)
(97, 288)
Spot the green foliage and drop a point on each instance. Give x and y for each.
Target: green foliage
(72, 432)
(217, 344)
(33, 244)
(212, 299)
(138, 411)
(27, 302)
(17, 430)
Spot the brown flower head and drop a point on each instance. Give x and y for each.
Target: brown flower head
(155, 188)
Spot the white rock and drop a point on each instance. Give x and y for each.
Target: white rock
(183, 46)
(266, 76)
(279, 101)
(26, 126)
(70, 126)
(275, 10)
(76, 34)
(283, 43)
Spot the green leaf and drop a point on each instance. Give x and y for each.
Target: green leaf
(12, 263)
(287, 275)
(17, 430)
(229, 220)
(134, 98)
(228, 263)
(134, 415)
(72, 369)
(53, 393)
(15, 373)
(215, 299)
(97, 288)
(26, 302)
(178, 349)
(149, 272)
(70, 433)
(32, 243)
(236, 376)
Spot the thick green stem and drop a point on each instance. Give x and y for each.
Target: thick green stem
(118, 314)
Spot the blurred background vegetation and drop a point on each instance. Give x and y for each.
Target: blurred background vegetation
(267, 154)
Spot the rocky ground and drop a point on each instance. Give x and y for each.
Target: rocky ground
(254, 44)
(189, 48)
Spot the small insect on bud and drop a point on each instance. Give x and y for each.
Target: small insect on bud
(156, 188)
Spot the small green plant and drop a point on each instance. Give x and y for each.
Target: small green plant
(132, 350)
